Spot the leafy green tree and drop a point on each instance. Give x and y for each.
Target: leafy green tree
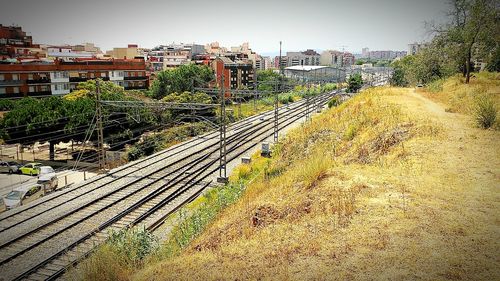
(57, 119)
(354, 83)
(267, 80)
(180, 79)
(472, 33)
(494, 60)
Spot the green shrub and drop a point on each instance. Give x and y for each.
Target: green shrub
(134, 245)
(6, 105)
(124, 252)
(334, 102)
(485, 112)
(436, 86)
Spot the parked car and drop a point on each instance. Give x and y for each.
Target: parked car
(18, 195)
(31, 169)
(47, 178)
(10, 167)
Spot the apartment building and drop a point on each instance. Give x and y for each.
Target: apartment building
(179, 54)
(155, 58)
(414, 48)
(39, 78)
(382, 55)
(336, 58)
(15, 43)
(238, 74)
(130, 52)
(284, 62)
(66, 53)
(308, 57)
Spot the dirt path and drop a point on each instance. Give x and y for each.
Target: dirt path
(449, 228)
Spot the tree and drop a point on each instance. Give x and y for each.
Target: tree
(267, 80)
(398, 78)
(180, 79)
(57, 119)
(355, 83)
(472, 33)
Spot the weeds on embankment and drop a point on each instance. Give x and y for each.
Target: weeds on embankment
(480, 98)
(123, 253)
(300, 199)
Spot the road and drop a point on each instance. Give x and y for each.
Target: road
(10, 181)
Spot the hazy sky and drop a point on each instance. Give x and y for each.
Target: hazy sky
(300, 24)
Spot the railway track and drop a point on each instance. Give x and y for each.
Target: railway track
(143, 193)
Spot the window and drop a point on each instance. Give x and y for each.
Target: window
(92, 75)
(2, 90)
(30, 76)
(103, 74)
(15, 76)
(2, 77)
(15, 90)
(31, 89)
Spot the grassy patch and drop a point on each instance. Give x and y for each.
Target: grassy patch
(123, 253)
(463, 98)
(485, 112)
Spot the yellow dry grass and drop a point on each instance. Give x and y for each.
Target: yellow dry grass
(460, 97)
(386, 186)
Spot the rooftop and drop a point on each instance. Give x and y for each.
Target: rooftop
(305, 67)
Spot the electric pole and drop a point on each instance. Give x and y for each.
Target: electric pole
(100, 133)
(276, 122)
(222, 134)
(255, 91)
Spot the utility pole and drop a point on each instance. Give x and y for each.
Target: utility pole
(100, 133)
(276, 121)
(255, 91)
(222, 134)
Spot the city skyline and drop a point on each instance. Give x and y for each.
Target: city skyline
(384, 25)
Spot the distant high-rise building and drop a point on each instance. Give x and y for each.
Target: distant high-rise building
(385, 55)
(365, 52)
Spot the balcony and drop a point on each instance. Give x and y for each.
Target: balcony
(11, 82)
(38, 81)
(40, 93)
(135, 78)
(78, 79)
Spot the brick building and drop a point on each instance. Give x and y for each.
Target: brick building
(15, 43)
(238, 74)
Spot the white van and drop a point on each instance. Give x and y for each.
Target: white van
(20, 194)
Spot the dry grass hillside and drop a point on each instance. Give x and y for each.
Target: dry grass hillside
(389, 185)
